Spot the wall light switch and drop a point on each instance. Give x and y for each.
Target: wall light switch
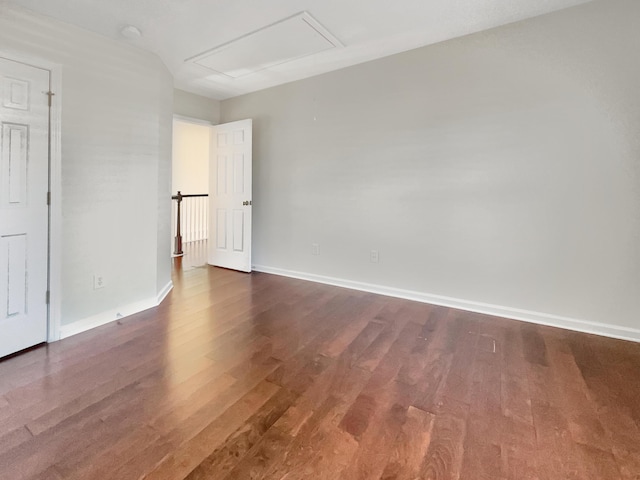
(374, 256)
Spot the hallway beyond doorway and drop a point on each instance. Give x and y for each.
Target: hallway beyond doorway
(195, 256)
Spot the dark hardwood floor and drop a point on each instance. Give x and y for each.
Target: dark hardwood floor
(239, 376)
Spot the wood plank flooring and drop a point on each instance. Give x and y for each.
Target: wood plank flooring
(240, 376)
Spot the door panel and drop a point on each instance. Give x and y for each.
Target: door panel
(238, 231)
(230, 195)
(14, 261)
(24, 164)
(16, 94)
(15, 144)
(238, 173)
(221, 229)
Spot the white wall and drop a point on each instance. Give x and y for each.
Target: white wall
(164, 247)
(116, 163)
(190, 157)
(191, 105)
(501, 168)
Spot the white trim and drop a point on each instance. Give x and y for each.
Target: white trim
(164, 292)
(114, 314)
(613, 331)
(55, 185)
(55, 210)
(106, 317)
(196, 121)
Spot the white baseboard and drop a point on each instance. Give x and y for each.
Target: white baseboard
(164, 292)
(613, 331)
(114, 314)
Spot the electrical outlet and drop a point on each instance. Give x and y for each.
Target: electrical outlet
(315, 249)
(98, 281)
(374, 256)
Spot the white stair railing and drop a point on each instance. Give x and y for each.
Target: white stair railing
(192, 210)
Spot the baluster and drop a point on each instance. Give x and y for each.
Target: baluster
(197, 217)
(200, 207)
(193, 220)
(206, 217)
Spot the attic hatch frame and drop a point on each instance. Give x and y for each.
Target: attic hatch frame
(305, 16)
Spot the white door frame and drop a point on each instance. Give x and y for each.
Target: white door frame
(194, 120)
(55, 186)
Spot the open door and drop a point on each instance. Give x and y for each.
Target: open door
(230, 195)
(24, 182)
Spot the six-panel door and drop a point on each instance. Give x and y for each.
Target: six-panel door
(230, 195)
(24, 164)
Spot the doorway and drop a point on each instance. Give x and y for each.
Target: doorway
(212, 192)
(190, 174)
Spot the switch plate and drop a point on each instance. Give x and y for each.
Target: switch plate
(315, 249)
(374, 256)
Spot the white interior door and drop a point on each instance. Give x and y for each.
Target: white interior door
(230, 195)
(24, 182)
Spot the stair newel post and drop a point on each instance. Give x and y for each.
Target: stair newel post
(178, 243)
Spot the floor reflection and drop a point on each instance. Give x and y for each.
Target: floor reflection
(195, 255)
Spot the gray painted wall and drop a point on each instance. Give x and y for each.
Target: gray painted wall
(116, 162)
(501, 168)
(191, 105)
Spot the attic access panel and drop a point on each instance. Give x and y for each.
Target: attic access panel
(289, 39)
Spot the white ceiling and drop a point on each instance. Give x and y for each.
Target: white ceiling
(178, 30)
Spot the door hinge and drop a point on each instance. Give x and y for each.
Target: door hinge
(50, 95)
(48, 297)
(49, 198)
